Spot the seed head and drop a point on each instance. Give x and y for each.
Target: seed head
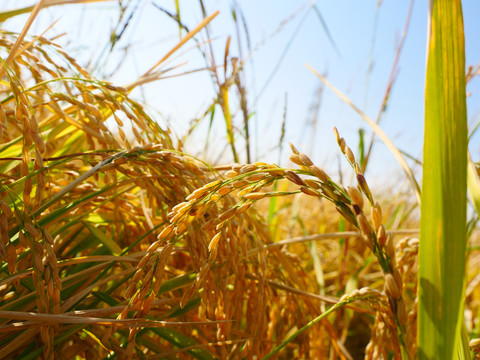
(349, 155)
(276, 172)
(223, 191)
(254, 195)
(413, 242)
(319, 173)
(130, 291)
(358, 170)
(197, 194)
(305, 160)
(364, 291)
(356, 196)
(213, 243)
(179, 207)
(391, 286)
(364, 187)
(363, 224)
(212, 184)
(144, 261)
(231, 174)
(296, 159)
(312, 183)
(309, 191)
(220, 226)
(243, 207)
(337, 135)
(239, 184)
(390, 248)
(474, 343)
(398, 279)
(154, 246)
(376, 216)
(401, 312)
(248, 168)
(294, 149)
(290, 175)
(176, 217)
(136, 277)
(180, 228)
(347, 214)
(381, 236)
(227, 214)
(32, 229)
(244, 191)
(236, 168)
(209, 224)
(256, 177)
(5, 208)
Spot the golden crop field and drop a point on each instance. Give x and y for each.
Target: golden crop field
(116, 242)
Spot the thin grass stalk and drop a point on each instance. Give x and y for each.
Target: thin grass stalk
(365, 294)
(443, 220)
(391, 81)
(228, 120)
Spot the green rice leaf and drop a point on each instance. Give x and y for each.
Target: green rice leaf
(107, 299)
(443, 220)
(343, 301)
(177, 282)
(182, 341)
(104, 239)
(179, 310)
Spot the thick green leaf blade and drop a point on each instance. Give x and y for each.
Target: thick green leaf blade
(104, 239)
(443, 220)
(182, 341)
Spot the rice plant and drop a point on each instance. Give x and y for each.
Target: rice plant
(117, 244)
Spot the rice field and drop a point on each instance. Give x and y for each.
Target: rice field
(116, 243)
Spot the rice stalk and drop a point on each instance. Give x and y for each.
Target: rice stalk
(116, 243)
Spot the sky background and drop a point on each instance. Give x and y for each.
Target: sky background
(283, 37)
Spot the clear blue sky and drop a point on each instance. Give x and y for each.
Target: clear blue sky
(351, 24)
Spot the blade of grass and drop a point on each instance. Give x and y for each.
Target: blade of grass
(35, 353)
(391, 80)
(177, 9)
(180, 340)
(103, 238)
(443, 211)
(326, 30)
(79, 319)
(346, 299)
(224, 101)
(361, 147)
(187, 37)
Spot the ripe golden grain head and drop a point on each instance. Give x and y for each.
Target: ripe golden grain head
(392, 287)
